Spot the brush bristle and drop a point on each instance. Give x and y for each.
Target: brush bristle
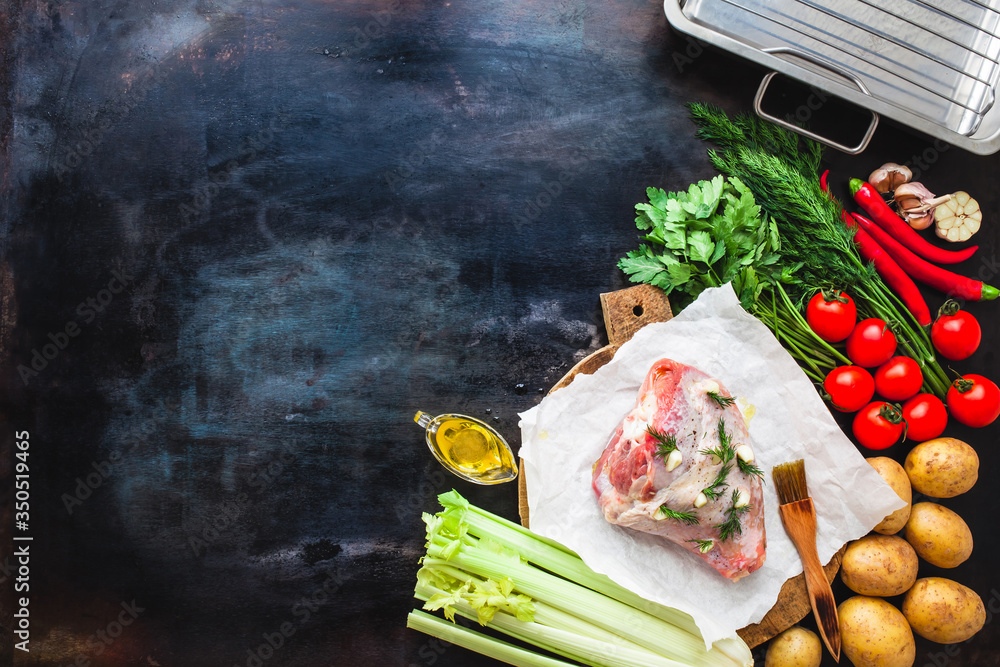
(790, 481)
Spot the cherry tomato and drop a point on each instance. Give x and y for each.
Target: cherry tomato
(832, 316)
(850, 387)
(956, 333)
(898, 379)
(974, 400)
(879, 425)
(871, 343)
(925, 417)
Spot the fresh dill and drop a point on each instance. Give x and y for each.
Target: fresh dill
(723, 401)
(749, 468)
(732, 525)
(718, 486)
(665, 442)
(767, 226)
(725, 452)
(747, 130)
(688, 518)
(704, 546)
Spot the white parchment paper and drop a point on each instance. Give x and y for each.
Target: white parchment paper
(566, 433)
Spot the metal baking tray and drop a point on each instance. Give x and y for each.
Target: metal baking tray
(933, 65)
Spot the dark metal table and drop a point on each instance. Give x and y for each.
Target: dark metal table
(244, 242)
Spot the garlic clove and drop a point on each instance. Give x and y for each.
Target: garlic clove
(916, 204)
(911, 195)
(920, 221)
(674, 459)
(745, 453)
(700, 500)
(742, 499)
(958, 219)
(889, 176)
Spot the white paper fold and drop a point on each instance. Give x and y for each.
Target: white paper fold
(566, 433)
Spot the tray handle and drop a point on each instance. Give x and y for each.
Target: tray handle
(759, 98)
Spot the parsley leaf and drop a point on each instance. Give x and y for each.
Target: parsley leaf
(646, 269)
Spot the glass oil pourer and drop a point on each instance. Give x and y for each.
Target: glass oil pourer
(468, 448)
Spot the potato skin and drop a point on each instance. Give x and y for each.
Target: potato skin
(879, 565)
(942, 468)
(795, 647)
(943, 610)
(896, 477)
(873, 633)
(938, 535)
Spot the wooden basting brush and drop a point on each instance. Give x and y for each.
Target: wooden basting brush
(799, 516)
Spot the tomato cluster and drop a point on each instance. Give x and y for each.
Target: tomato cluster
(972, 399)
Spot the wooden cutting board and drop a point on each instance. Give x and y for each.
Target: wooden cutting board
(625, 312)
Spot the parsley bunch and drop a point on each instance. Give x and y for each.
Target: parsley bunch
(707, 236)
(715, 233)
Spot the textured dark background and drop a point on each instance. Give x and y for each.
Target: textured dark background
(328, 215)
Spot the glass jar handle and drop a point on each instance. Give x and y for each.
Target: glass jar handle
(423, 419)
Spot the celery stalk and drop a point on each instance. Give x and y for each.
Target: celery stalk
(558, 632)
(550, 555)
(474, 641)
(647, 631)
(569, 565)
(537, 591)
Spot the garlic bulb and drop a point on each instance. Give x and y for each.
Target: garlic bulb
(959, 218)
(889, 176)
(916, 204)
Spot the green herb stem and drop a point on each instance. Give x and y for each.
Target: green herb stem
(804, 327)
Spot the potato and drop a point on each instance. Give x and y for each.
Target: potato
(881, 565)
(943, 610)
(938, 535)
(795, 647)
(896, 477)
(873, 633)
(942, 468)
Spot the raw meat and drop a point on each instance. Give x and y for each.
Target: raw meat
(680, 406)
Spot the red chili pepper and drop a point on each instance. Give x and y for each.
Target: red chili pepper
(950, 283)
(891, 273)
(873, 204)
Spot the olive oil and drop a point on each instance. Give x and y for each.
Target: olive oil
(469, 448)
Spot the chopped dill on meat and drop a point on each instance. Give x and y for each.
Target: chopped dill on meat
(684, 517)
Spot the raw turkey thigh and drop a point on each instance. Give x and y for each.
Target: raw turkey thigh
(680, 465)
